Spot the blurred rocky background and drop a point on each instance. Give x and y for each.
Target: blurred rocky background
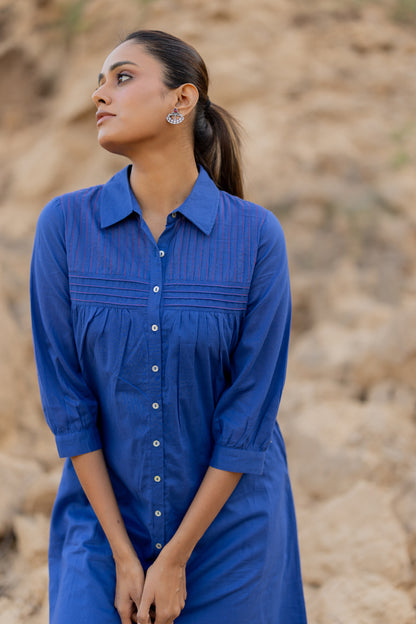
(326, 90)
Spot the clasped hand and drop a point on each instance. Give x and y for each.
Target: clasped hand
(158, 597)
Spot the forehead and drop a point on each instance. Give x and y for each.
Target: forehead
(133, 53)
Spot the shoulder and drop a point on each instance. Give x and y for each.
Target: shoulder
(249, 214)
(57, 211)
(73, 207)
(60, 204)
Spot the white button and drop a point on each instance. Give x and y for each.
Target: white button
(173, 215)
(155, 405)
(157, 479)
(155, 368)
(156, 289)
(161, 253)
(158, 513)
(158, 546)
(156, 443)
(155, 328)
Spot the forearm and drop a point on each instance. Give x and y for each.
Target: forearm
(215, 489)
(93, 475)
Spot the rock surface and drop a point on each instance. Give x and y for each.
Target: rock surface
(326, 93)
(363, 599)
(356, 532)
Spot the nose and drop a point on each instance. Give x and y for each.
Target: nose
(100, 97)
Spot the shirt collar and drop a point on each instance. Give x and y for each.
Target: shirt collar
(200, 207)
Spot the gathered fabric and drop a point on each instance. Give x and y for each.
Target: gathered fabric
(170, 356)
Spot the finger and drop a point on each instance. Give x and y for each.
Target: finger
(136, 598)
(143, 618)
(143, 609)
(125, 614)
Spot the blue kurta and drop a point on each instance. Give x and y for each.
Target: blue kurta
(171, 357)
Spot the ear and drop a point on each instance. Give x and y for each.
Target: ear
(187, 98)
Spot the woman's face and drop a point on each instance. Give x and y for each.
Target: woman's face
(132, 100)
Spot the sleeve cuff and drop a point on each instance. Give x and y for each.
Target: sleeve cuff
(238, 460)
(78, 442)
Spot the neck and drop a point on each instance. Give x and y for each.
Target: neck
(162, 180)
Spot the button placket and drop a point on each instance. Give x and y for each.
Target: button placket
(156, 404)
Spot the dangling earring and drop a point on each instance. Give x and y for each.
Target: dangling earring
(175, 118)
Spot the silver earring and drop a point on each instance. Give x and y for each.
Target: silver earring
(175, 118)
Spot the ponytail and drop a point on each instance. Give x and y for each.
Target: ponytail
(217, 144)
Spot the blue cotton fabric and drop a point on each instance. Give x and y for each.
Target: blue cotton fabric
(171, 357)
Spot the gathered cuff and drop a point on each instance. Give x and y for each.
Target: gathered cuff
(74, 443)
(238, 460)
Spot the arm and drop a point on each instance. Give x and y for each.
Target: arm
(165, 585)
(214, 491)
(245, 414)
(95, 481)
(69, 405)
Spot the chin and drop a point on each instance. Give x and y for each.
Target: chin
(115, 147)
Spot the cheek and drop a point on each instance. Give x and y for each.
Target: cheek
(143, 115)
(144, 101)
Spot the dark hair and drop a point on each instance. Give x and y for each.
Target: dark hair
(216, 133)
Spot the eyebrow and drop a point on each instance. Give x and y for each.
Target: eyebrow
(114, 66)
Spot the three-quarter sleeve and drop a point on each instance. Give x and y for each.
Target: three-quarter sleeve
(69, 405)
(246, 412)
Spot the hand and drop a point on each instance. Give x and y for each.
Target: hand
(164, 591)
(129, 588)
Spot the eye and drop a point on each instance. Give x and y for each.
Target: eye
(122, 77)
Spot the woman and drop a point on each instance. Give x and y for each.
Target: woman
(161, 315)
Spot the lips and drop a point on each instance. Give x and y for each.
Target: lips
(102, 115)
